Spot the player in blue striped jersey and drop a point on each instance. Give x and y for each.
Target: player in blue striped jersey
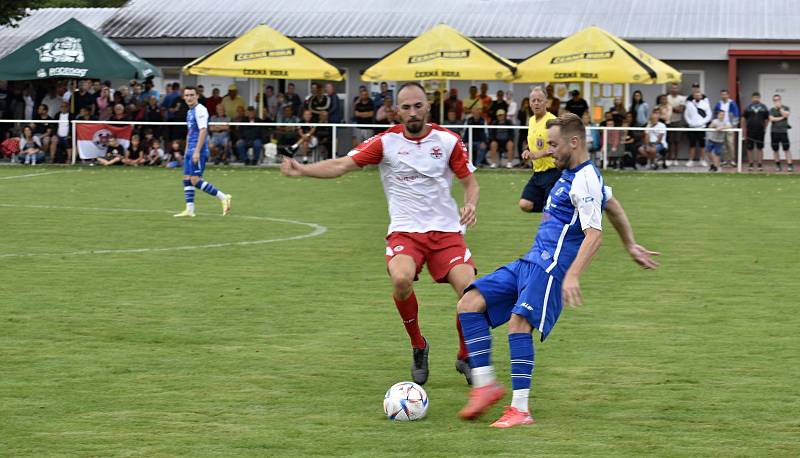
(528, 293)
(194, 161)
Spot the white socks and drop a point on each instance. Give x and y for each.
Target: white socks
(520, 400)
(482, 376)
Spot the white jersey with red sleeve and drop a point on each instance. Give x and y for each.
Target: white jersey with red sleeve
(417, 176)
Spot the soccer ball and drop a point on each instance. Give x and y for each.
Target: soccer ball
(405, 401)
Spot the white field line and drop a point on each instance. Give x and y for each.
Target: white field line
(29, 175)
(317, 229)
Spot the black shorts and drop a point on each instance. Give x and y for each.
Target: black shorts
(696, 138)
(754, 140)
(780, 139)
(539, 187)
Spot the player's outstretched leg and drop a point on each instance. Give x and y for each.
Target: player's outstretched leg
(188, 195)
(520, 344)
(486, 391)
(209, 189)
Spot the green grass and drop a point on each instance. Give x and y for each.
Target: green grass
(286, 348)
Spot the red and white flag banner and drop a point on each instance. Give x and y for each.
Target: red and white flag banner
(93, 138)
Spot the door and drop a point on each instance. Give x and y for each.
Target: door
(788, 87)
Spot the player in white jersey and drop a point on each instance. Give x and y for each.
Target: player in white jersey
(417, 162)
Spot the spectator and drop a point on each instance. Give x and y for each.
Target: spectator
(479, 137)
(155, 153)
(306, 141)
(169, 101)
(616, 149)
(454, 104)
(220, 136)
(95, 88)
(385, 92)
(664, 110)
(232, 101)
(125, 97)
(201, 96)
(104, 99)
(179, 110)
(716, 139)
(756, 117)
(61, 145)
(553, 102)
(250, 137)
(105, 113)
(385, 113)
(697, 114)
(270, 104)
(628, 145)
(52, 101)
(136, 95)
(436, 108)
(501, 139)
(119, 114)
(293, 99)
(452, 121)
(281, 105)
(114, 153)
(363, 112)
(732, 115)
(678, 104)
(497, 105)
(173, 157)
(640, 110)
(523, 117)
(152, 113)
(213, 101)
(617, 111)
(29, 147)
(318, 102)
(513, 108)
(486, 101)
(593, 141)
(148, 92)
(576, 104)
(779, 132)
(82, 99)
(287, 134)
(335, 108)
(43, 128)
(324, 133)
(136, 154)
(654, 142)
(474, 101)
(28, 94)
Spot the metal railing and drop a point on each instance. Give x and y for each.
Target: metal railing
(379, 127)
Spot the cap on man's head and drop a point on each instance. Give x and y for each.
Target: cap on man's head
(232, 87)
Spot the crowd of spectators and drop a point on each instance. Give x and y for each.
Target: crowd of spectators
(51, 109)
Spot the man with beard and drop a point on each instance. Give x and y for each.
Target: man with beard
(417, 162)
(528, 292)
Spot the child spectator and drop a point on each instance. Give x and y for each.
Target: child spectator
(715, 140)
(135, 155)
(154, 152)
(114, 153)
(30, 147)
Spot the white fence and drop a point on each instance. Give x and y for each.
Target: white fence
(380, 127)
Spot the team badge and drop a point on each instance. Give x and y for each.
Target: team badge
(539, 143)
(436, 152)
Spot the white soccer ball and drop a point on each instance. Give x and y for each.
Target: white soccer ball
(405, 401)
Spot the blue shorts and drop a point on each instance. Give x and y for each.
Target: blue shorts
(192, 169)
(714, 147)
(522, 288)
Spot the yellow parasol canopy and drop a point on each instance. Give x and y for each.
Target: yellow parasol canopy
(441, 53)
(263, 52)
(595, 55)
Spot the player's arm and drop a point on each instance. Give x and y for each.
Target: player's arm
(330, 168)
(201, 140)
(587, 198)
(570, 289)
(471, 194)
(639, 254)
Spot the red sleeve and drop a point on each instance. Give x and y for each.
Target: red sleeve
(368, 152)
(459, 160)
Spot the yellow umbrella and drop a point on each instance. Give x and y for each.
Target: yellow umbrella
(441, 53)
(595, 55)
(263, 52)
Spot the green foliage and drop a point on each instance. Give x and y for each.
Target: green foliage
(286, 348)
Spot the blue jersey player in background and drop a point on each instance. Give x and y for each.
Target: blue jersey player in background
(194, 161)
(529, 292)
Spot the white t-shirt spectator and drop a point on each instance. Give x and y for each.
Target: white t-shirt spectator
(63, 125)
(674, 102)
(654, 131)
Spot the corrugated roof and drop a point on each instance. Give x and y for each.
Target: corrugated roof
(520, 19)
(40, 21)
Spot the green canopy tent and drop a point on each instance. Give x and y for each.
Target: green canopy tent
(73, 50)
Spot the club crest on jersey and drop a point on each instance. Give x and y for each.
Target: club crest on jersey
(436, 152)
(539, 143)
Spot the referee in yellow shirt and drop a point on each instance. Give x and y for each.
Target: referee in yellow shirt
(545, 173)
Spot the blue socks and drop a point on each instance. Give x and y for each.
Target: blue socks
(521, 349)
(478, 338)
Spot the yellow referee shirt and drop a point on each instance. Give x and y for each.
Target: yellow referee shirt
(537, 142)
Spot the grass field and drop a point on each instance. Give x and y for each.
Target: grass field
(123, 333)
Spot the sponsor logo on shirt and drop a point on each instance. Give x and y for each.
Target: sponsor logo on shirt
(545, 255)
(588, 199)
(407, 178)
(525, 304)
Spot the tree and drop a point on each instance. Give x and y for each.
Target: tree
(12, 11)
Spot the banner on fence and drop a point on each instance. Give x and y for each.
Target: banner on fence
(93, 138)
